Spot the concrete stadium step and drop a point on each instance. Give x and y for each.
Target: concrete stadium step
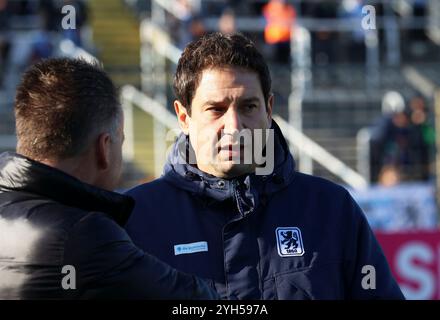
(342, 146)
(121, 79)
(346, 117)
(125, 61)
(116, 33)
(116, 36)
(335, 127)
(143, 142)
(122, 40)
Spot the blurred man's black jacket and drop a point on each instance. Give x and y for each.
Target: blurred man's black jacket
(49, 220)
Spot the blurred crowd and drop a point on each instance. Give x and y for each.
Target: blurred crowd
(279, 17)
(329, 46)
(39, 21)
(403, 144)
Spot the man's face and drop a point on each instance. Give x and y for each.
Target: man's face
(228, 102)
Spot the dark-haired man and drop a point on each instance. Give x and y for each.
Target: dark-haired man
(244, 217)
(60, 223)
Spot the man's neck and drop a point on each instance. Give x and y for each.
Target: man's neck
(75, 167)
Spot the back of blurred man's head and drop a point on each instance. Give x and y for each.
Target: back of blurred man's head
(67, 115)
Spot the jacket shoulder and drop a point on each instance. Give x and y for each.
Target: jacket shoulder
(40, 211)
(157, 186)
(332, 199)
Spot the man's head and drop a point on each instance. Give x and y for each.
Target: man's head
(223, 89)
(68, 116)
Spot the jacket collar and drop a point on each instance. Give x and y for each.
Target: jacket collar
(18, 173)
(246, 191)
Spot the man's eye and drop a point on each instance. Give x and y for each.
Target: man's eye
(250, 107)
(215, 110)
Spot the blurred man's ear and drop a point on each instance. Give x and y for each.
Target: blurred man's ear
(103, 151)
(182, 116)
(269, 108)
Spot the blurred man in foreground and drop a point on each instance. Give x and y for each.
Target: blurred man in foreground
(60, 225)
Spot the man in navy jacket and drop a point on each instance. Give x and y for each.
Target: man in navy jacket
(257, 228)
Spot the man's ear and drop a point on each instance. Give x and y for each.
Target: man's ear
(270, 108)
(182, 116)
(103, 150)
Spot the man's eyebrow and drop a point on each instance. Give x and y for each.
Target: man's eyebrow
(215, 102)
(226, 101)
(249, 99)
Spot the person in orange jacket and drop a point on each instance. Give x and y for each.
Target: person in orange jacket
(280, 17)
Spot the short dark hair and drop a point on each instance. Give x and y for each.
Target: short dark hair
(217, 50)
(61, 105)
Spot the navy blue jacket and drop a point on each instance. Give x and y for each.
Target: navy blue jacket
(283, 236)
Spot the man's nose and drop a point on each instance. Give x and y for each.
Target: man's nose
(232, 121)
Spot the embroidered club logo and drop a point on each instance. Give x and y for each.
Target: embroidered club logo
(289, 242)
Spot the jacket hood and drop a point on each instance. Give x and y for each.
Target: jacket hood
(246, 191)
(18, 173)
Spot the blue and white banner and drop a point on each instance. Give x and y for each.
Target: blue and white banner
(404, 207)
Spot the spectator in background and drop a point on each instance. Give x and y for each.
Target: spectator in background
(81, 20)
(4, 15)
(389, 176)
(50, 15)
(42, 46)
(280, 17)
(352, 9)
(400, 142)
(23, 7)
(49, 23)
(324, 46)
(226, 23)
(181, 22)
(196, 28)
(423, 138)
(391, 143)
(189, 25)
(383, 133)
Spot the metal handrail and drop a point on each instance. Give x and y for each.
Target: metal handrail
(69, 49)
(149, 105)
(130, 97)
(320, 155)
(168, 7)
(160, 40)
